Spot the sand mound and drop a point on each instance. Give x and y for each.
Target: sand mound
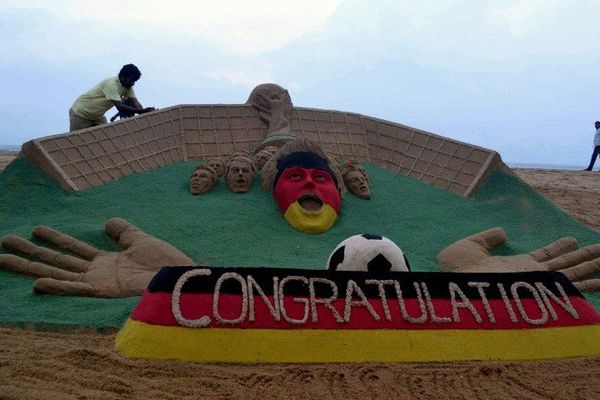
(37, 365)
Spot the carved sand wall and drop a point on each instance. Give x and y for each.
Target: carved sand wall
(217, 130)
(341, 134)
(92, 157)
(95, 156)
(427, 157)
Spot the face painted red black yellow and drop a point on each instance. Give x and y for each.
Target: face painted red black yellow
(308, 198)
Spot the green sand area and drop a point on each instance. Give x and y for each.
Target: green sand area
(227, 229)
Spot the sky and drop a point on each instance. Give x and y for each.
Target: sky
(520, 77)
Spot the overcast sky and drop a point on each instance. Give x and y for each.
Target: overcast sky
(516, 76)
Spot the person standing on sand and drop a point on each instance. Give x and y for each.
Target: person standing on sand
(89, 108)
(596, 147)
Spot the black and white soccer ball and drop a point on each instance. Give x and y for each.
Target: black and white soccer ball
(367, 252)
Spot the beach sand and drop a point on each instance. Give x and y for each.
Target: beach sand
(35, 365)
(576, 192)
(6, 157)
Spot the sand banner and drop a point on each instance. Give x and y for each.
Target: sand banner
(296, 315)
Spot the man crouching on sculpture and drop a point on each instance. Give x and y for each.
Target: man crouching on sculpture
(89, 108)
(306, 185)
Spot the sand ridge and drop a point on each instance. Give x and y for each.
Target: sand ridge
(6, 157)
(36, 365)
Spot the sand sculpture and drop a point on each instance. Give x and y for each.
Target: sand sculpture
(239, 173)
(298, 315)
(306, 185)
(181, 134)
(472, 254)
(274, 107)
(368, 252)
(217, 164)
(203, 180)
(263, 155)
(458, 166)
(356, 179)
(239, 152)
(83, 270)
(96, 156)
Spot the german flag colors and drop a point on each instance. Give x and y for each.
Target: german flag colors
(293, 315)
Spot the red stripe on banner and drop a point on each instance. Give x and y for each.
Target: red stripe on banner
(156, 308)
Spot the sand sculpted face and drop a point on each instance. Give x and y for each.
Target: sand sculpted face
(263, 156)
(308, 197)
(306, 185)
(203, 180)
(240, 153)
(358, 183)
(356, 179)
(217, 164)
(240, 174)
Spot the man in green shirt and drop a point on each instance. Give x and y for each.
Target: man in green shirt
(89, 108)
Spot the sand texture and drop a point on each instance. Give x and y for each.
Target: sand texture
(52, 366)
(36, 365)
(577, 192)
(6, 157)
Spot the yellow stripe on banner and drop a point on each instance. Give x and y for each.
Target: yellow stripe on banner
(141, 340)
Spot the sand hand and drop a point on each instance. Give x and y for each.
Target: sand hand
(472, 254)
(83, 270)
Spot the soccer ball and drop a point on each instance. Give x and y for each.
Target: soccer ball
(367, 252)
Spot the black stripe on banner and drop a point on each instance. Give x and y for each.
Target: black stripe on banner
(436, 283)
